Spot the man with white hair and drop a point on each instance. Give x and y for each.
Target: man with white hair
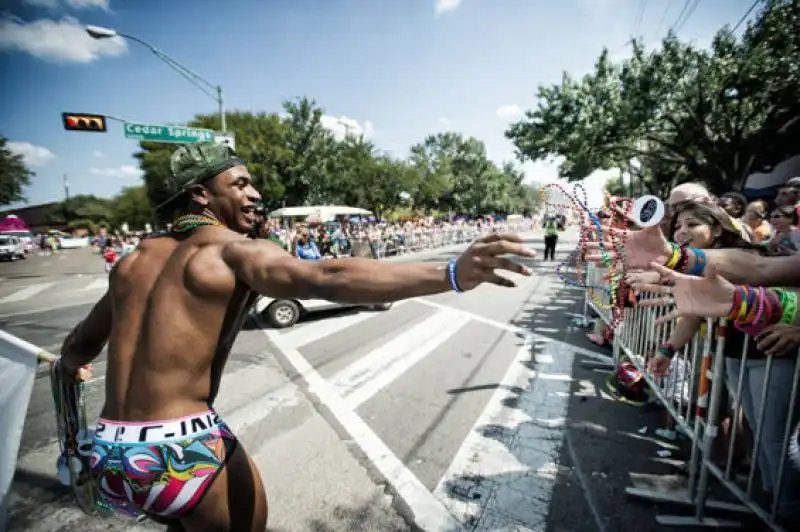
(687, 191)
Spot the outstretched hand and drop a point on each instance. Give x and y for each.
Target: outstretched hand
(642, 247)
(478, 263)
(710, 296)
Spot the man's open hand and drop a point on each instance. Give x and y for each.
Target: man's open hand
(478, 263)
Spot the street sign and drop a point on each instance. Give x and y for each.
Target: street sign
(154, 133)
(228, 139)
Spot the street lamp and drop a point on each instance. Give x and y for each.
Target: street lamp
(99, 32)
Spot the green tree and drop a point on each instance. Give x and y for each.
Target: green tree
(14, 175)
(454, 174)
(259, 141)
(132, 206)
(83, 211)
(687, 114)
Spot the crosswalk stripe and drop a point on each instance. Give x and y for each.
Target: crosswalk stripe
(302, 336)
(26, 293)
(97, 284)
(429, 513)
(379, 368)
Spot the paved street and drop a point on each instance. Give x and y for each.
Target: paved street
(443, 413)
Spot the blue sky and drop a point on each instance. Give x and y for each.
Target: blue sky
(396, 70)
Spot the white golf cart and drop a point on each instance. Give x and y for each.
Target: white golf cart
(282, 313)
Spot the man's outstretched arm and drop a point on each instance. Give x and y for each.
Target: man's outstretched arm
(88, 338)
(270, 271)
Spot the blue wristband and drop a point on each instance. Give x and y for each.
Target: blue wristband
(699, 262)
(451, 276)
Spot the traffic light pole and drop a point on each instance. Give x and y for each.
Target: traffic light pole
(196, 79)
(221, 104)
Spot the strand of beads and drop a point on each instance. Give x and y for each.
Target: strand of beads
(613, 262)
(187, 223)
(576, 206)
(570, 207)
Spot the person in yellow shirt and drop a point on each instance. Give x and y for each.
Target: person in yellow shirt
(550, 227)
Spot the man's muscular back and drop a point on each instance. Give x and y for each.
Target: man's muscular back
(176, 310)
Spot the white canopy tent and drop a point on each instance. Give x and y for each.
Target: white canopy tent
(323, 213)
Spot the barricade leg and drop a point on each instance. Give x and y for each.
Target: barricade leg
(701, 436)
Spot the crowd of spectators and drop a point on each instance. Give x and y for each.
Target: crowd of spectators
(709, 243)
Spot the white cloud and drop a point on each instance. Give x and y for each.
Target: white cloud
(342, 126)
(509, 112)
(32, 154)
(446, 6)
(81, 4)
(60, 40)
(444, 121)
(126, 171)
(98, 154)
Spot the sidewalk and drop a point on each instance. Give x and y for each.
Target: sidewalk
(609, 446)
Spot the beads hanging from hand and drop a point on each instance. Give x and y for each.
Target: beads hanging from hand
(590, 222)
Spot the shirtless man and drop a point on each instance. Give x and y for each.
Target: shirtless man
(172, 311)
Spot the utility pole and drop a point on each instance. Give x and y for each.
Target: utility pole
(66, 188)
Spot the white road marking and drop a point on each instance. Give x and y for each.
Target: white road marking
(477, 317)
(429, 513)
(26, 293)
(503, 475)
(302, 336)
(40, 310)
(376, 370)
(97, 284)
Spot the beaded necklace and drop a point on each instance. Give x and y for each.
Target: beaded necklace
(186, 223)
(589, 222)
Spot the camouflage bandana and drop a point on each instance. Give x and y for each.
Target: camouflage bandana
(194, 164)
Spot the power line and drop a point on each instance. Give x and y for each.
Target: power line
(663, 17)
(689, 13)
(746, 14)
(643, 8)
(680, 15)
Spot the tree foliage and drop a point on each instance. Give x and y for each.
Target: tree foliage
(14, 175)
(295, 160)
(85, 211)
(686, 113)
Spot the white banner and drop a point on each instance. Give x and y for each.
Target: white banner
(18, 363)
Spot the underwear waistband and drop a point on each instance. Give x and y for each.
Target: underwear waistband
(111, 431)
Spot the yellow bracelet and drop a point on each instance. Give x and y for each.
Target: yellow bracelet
(673, 260)
(742, 311)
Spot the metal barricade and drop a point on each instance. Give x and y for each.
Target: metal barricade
(701, 374)
(402, 240)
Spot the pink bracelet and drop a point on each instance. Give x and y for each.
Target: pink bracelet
(755, 327)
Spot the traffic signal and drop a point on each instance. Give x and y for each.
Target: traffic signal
(84, 122)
